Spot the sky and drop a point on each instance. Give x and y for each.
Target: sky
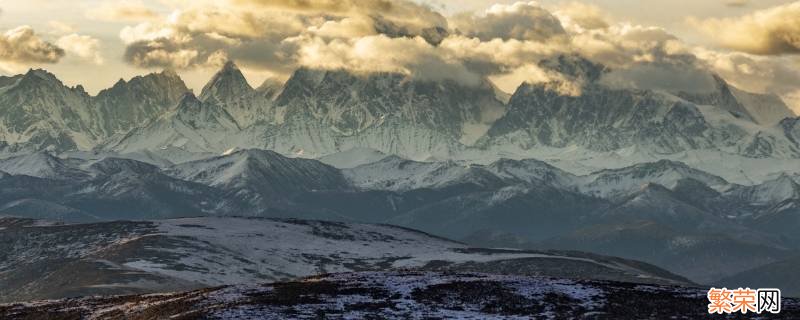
(647, 44)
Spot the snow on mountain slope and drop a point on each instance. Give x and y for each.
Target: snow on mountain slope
(398, 174)
(605, 119)
(43, 165)
(332, 111)
(350, 103)
(723, 97)
(615, 182)
(228, 83)
(533, 171)
(197, 252)
(766, 109)
(229, 90)
(39, 113)
(770, 192)
(193, 126)
(269, 171)
(352, 158)
(132, 103)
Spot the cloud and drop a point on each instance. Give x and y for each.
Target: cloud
(82, 46)
(406, 14)
(268, 35)
(23, 45)
(379, 53)
(520, 21)
(578, 16)
(779, 75)
(773, 31)
(505, 43)
(122, 11)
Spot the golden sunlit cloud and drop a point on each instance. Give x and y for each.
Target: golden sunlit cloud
(772, 31)
(505, 42)
(23, 45)
(82, 46)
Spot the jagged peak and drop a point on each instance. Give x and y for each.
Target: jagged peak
(310, 79)
(168, 72)
(165, 80)
(230, 65)
(41, 73)
(228, 83)
(40, 76)
(575, 66)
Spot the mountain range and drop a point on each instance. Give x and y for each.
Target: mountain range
(317, 113)
(665, 213)
(703, 184)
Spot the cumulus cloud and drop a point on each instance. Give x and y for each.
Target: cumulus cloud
(412, 56)
(773, 31)
(82, 46)
(122, 11)
(23, 45)
(412, 17)
(779, 75)
(273, 35)
(520, 21)
(505, 43)
(578, 16)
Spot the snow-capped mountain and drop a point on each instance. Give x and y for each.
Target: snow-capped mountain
(398, 174)
(508, 203)
(317, 113)
(229, 90)
(263, 179)
(766, 109)
(603, 118)
(614, 182)
(226, 85)
(330, 111)
(41, 113)
(192, 126)
(43, 165)
(132, 103)
(152, 256)
(352, 158)
(770, 192)
(38, 112)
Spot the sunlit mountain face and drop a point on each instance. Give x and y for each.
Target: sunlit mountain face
(403, 159)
